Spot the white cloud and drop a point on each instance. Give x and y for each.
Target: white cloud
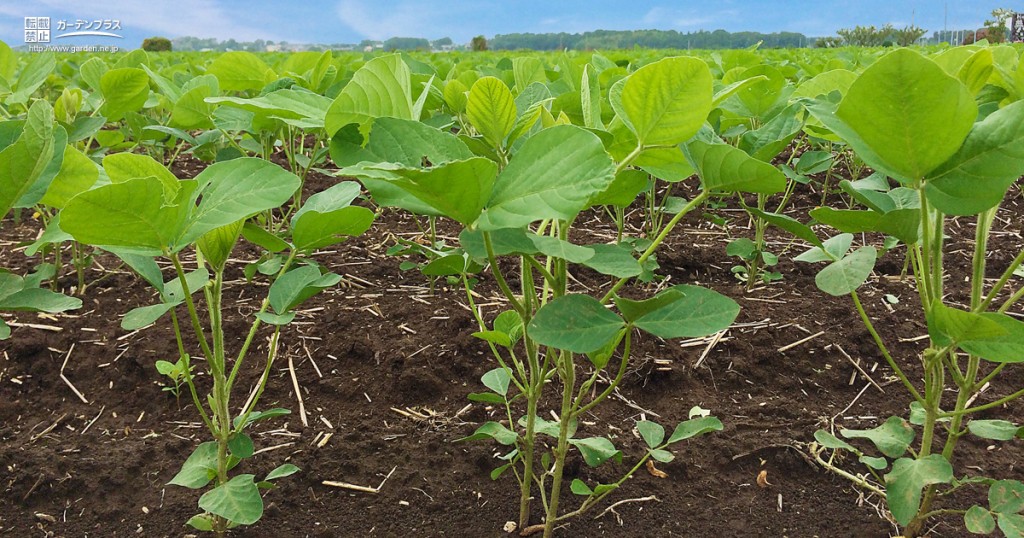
(199, 18)
(406, 19)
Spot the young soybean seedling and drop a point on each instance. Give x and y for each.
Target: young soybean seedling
(150, 217)
(964, 167)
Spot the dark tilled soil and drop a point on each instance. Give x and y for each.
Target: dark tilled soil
(383, 366)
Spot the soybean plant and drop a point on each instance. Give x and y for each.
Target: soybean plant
(517, 188)
(159, 216)
(908, 119)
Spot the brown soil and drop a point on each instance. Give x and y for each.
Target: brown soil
(384, 366)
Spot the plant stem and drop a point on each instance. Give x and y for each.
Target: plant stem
(885, 351)
(568, 371)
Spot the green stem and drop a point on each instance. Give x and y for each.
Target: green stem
(193, 315)
(568, 372)
(697, 201)
(187, 362)
(885, 351)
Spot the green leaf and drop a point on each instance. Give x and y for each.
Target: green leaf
(276, 319)
(891, 103)
(493, 430)
(892, 438)
(666, 102)
(596, 450)
(1012, 525)
(979, 521)
(77, 174)
(496, 473)
(456, 189)
(878, 464)
(240, 71)
(694, 312)
(557, 248)
(241, 446)
(216, 244)
(238, 500)
(1008, 348)
(652, 432)
(828, 440)
(991, 159)
(1006, 497)
(848, 274)
(143, 316)
(454, 264)
(124, 90)
(259, 415)
(121, 167)
(5, 330)
(486, 397)
(254, 233)
(633, 310)
(199, 469)
(577, 323)
(282, 471)
(579, 487)
(613, 260)
(130, 214)
(947, 325)
(663, 456)
(201, 522)
(491, 109)
(590, 98)
(903, 224)
(297, 285)
(233, 190)
(509, 323)
(742, 247)
(497, 380)
(24, 162)
(315, 229)
(623, 189)
(997, 430)
(834, 248)
(380, 88)
(553, 176)
(39, 67)
(503, 242)
(723, 168)
(789, 224)
(694, 427)
(908, 477)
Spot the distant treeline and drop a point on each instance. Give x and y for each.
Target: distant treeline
(653, 39)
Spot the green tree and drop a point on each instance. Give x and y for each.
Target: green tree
(478, 43)
(996, 26)
(156, 44)
(907, 35)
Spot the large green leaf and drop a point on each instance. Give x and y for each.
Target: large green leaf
(665, 102)
(1008, 347)
(1006, 497)
(613, 260)
(848, 274)
(991, 159)
(491, 109)
(240, 71)
(904, 484)
(577, 323)
(121, 167)
(723, 168)
(124, 90)
(77, 174)
(192, 111)
(135, 213)
(904, 115)
(216, 244)
(456, 189)
(892, 438)
(238, 500)
(26, 160)
(233, 190)
(552, 176)
(694, 311)
(652, 433)
(380, 88)
(997, 430)
(903, 224)
(32, 76)
(947, 324)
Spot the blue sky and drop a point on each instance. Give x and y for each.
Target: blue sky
(350, 21)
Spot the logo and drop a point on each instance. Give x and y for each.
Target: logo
(37, 29)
